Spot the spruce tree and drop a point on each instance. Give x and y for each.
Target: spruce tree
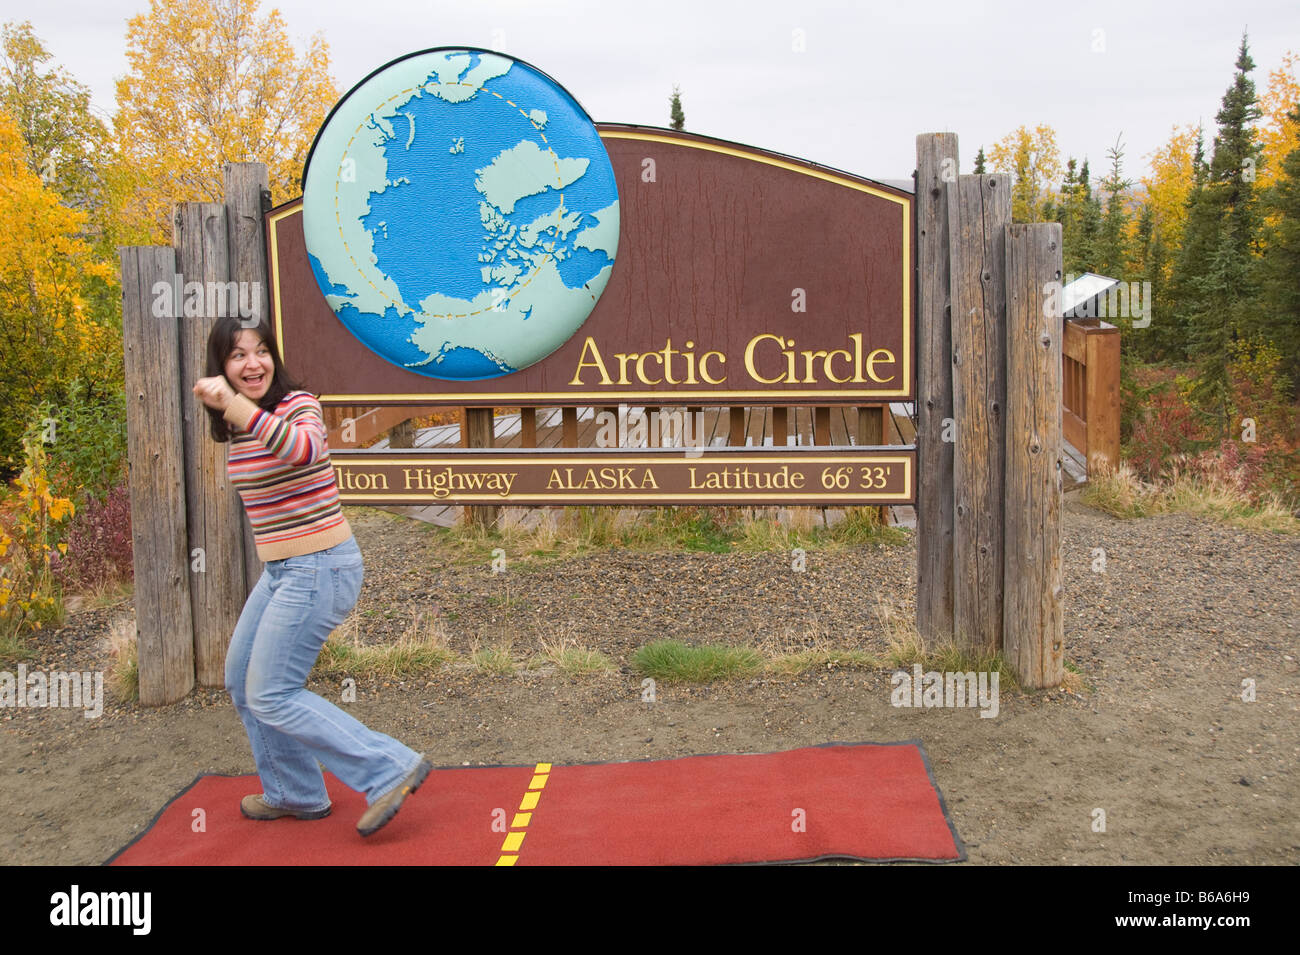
(1111, 251)
(1148, 264)
(1067, 213)
(979, 162)
(1225, 225)
(1278, 271)
(677, 117)
(1191, 260)
(1089, 223)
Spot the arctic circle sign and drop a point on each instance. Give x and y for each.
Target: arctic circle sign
(460, 213)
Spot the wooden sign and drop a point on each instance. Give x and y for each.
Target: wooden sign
(741, 277)
(553, 476)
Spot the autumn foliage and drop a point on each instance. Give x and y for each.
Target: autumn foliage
(207, 82)
(210, 83)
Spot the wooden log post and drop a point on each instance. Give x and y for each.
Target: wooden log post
(979, 209)
(156, 467)
(248, 196)
(936, 166)
(1033, 617)
(216, 534)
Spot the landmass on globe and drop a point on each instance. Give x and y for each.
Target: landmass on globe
(461, 215)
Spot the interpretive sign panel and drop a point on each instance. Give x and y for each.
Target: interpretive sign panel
(468, 237)
(550, 476)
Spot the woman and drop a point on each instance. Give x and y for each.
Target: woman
(279, 462)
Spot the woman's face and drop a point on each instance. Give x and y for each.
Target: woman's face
(249, 369)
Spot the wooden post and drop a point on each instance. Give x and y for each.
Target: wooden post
(1033, 617)
(736, 431)
(780, 427)
(528, 427)
(248, 196)
(936, 165)
(1101, 372)
(155, 462)
(822, 425)
(569, 427)
(871, 430)
(979, 209)
(478, 434)
(217, 586)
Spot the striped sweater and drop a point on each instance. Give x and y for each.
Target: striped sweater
(280, 465)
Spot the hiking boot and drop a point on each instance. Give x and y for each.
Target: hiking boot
(385, 808)
(256, 807)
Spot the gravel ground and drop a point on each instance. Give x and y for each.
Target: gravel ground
(1158, 736)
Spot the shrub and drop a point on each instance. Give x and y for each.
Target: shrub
(99, 549)
(29, 596)
(87, 437)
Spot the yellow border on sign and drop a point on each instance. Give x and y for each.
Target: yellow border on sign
(354, 497)
(509, 398)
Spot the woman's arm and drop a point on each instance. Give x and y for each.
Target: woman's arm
(299, 437)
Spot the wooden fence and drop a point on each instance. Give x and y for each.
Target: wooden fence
(989, 420)
(195, 562)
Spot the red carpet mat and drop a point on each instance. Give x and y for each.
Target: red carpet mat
(868, 801)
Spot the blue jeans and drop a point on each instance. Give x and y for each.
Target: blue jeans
(291, 612)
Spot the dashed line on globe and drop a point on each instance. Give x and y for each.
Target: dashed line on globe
(519, 825)
(558, 181)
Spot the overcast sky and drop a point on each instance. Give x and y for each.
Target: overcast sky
(871, 76)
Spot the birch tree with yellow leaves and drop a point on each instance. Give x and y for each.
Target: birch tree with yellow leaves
(1167, 188)
(1279, 132)
(48, 336)
(211, 82)
(1033, 157)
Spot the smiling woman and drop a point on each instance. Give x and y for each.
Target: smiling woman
(279, 463)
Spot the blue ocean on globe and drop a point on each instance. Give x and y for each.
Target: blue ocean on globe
(461, 214)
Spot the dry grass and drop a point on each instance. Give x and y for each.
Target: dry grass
(1123, 494)
(124, 660)
(496, 659)
(792, 653)
(564, 653)
(421, 649)
(907, 648)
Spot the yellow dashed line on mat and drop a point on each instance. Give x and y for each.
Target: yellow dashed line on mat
(519, 825)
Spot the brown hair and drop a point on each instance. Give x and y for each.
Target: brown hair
(221, 342)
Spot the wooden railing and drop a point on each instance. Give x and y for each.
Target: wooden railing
(785, 426)
(1090, 391)
(367, 422)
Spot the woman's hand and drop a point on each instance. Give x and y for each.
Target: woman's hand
(215, 392)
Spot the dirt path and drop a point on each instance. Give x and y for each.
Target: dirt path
(1160, 738)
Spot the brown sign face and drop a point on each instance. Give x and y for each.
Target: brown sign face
(741, 277)
(617, 476)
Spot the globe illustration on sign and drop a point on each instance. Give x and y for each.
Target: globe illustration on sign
(460, 213)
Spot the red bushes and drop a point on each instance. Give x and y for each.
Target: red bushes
(99, 544)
